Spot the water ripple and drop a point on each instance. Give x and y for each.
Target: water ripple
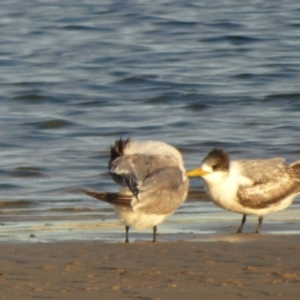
(75, 76)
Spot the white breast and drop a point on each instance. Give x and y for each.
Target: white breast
(222, 188)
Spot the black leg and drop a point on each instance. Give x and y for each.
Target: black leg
(126, 236)
(242, 224)
(154, 234)
(260, 220)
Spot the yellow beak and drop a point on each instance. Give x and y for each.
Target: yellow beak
(198, 172)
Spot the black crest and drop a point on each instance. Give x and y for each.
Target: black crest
(218, 159)
(118, 148)
(116, 151)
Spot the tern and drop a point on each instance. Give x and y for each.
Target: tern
(153, 181)
(249, 187)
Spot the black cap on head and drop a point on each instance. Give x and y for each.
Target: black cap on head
(218, 159)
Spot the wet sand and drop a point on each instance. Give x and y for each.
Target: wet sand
(244, 266)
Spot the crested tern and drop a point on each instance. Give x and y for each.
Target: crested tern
(153, 180)
(249, 187)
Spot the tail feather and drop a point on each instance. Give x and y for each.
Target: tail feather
(295, 167)
(111, 198)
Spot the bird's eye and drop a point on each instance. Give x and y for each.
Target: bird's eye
(216, 167)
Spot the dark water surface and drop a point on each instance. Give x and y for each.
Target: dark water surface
(76, 75)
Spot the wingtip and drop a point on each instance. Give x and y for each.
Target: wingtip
(95, 194)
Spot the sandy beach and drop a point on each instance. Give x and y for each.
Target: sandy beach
(246, 266)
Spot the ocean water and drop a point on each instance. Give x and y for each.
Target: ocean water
(76, 75)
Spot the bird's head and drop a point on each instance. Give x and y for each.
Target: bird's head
(216, 163)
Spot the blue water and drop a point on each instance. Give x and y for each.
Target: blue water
(76, 75)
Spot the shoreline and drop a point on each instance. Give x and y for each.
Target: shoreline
(245, 266)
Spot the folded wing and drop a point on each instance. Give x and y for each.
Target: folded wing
(156, 181)
(273, 180)
(162, 192)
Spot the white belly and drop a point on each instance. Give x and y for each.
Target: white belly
(227, 199)
(138, 220)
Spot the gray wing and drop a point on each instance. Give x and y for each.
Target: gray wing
(131, 170)
(260, 171)
(273, 181)
(155, 180)
(162, 192)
